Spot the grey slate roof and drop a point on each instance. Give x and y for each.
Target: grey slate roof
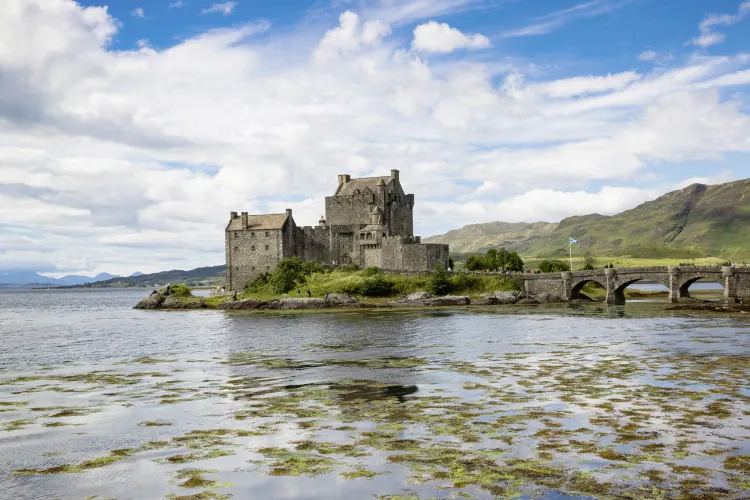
(260, 221)
(362, 183)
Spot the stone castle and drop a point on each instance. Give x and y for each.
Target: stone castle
(368, 222)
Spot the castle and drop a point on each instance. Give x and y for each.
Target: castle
(368, 222)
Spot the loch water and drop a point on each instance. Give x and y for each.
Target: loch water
(541, 401)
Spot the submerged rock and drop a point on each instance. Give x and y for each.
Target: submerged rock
(489, 300)
(528, 301)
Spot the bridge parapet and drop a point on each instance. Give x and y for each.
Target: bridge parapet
(568, 284)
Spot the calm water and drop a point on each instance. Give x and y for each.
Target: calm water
(544, 401)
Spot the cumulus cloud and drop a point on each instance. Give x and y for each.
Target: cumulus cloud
(139, 13)
(221, 8)
(441, 38)
(710, 37)
(116, 160)
(648, 55)
(176, 5)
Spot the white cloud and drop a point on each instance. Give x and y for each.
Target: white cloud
(708, 36)
(554, 20)
(648, 55)
(441, 38)
(176, 4)
(220, 8)
(583, 85)
(116, 160)
(139, 13)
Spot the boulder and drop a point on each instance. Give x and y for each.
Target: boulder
(341, 300)
(296, 303)
(240, 305)
(549, 298)
(528, 301)
(506, 297)
(418, 296)
(448, 300)
(485, 301)
(153, 301)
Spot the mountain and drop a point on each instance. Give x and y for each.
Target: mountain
(19, 278)
(200, 276)
(696, 221)
(24, 278)
(136, 274)
(479, 237)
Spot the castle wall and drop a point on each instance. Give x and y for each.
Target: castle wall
(372, 257)
(403, 254)
(313, 244)
(399, 214)
(349, 210)
(252, 253)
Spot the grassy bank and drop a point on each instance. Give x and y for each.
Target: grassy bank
(374, 283)
(626, 261)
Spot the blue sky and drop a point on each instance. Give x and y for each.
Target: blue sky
(130, 129)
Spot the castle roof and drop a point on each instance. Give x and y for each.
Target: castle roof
(361, 184)
(260, 221)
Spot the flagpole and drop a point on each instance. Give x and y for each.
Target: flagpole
(570, 248)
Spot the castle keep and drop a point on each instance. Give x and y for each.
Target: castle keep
(368, 222)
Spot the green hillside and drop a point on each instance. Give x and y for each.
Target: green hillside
(195, 277)
(479, 237)
(696, 221)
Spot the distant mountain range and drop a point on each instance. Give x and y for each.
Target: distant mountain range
(696, 221)
(200, 276)
(31, 278)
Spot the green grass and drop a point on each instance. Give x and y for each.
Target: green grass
(371, 284)
(628, 261)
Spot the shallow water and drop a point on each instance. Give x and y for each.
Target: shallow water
(540, 401)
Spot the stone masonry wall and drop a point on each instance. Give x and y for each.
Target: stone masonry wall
(252, 253)
(313, 244)
(349, 210)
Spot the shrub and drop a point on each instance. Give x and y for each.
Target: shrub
(179, 291)
(371, 271)
(552, 266)
(589, 261)
(259, 283)
(439, 283)
(285, 276)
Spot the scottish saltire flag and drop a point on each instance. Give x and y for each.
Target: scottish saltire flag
(572, 240)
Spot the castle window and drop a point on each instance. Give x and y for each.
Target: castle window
(253, 268)
(266, 248)
(236, 248)
(266, 234)
(252, 234)
(252, 249)
(235, 234)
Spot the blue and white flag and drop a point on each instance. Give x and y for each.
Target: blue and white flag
(572, 241)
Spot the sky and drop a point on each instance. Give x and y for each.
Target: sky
(130, 130)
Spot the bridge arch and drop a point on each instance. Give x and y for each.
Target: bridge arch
(577, 286)
(684, 290)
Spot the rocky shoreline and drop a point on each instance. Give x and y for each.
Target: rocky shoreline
(163, 300)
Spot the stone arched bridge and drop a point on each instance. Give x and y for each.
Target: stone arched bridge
(735, 280)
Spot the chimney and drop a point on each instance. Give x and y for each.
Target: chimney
(244, 220)
(344, 178)
(233, 215)
(289, 212)
(394, 174)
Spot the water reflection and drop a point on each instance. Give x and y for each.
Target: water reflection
(544, 401)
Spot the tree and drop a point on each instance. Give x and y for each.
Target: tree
(490, 259)
(475, 263)
(451, 264)
(551, 266)
(502, 258)
(589, 261)
(439, 282)
(288, 271)
(514, 262)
